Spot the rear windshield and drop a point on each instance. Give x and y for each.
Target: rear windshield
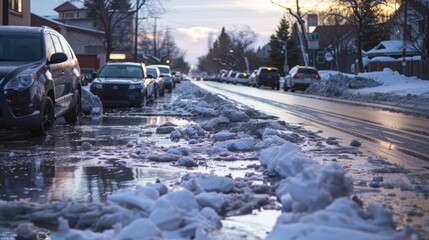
(121, 71)
(307, 70)
(271, 72)
(164, 70)
(21, 46)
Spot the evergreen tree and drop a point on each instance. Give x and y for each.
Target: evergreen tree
(277, 43)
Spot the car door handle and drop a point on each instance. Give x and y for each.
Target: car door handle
(63, 73)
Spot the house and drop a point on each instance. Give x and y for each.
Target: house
(18, 13)
(417, 27)
(87, 43)
(336, 48)
(75, 14)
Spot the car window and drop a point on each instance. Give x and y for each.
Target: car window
(66, 47)
(57, 43)
(307, 70)
(271, 72)
(21, 47)
(50, 49)
(121, 71)
(153, 72)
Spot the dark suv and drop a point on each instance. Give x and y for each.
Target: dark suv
(40, 79)
(268, 76)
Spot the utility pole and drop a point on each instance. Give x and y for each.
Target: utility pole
(137, 30)
(5, 12)
(404, 38)
(302, 39)
(286, 66)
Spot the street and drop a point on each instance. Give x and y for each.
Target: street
(89, 161)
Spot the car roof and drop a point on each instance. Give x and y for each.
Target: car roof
(125, 63)
(22, 29)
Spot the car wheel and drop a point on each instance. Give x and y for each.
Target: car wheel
(170, 90)
(48, 119)
(278, 86)
(73, 113)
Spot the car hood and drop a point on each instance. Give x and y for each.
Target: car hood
(119, 80)
(11, 69)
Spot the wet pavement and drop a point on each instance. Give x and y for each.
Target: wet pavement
(88, 161)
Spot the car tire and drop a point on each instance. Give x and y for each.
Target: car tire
(72, 114)
(48, 119)
(170, 90)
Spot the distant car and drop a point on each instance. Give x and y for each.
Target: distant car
(230, 77)
(168, 78)
(87, 75)
(268, 76)
(300, 77)
(124, 83)
(40, 79)
(159, 81)
(252, 78)
(177, 77)
(242, 78)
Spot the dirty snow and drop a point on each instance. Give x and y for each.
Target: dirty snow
(315, 198)
(386, 86)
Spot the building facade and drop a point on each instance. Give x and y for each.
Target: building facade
(19, 12)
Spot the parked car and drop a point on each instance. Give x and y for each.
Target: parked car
(168, 78)
(124, 83)
(230, 77)
(159, 81)
(252, 78)
(242, 78)
(40, 79)
(177, 76)
(268, 76)
(87, 75)
(300, 77)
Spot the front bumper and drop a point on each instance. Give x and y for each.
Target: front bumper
(20, 109)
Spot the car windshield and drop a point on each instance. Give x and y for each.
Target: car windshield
(21, 47)
(121, 71)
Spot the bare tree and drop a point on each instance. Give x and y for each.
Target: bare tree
(363, 16)
(110, 14)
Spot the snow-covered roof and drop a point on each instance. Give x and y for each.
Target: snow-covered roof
(390, 47)
(70, 26)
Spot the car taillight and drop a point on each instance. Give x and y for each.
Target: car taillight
(297, 75)
(317, 76)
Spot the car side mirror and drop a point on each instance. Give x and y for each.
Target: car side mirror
(58, 57)
(150, 76)
(162, 75)
(94, 75)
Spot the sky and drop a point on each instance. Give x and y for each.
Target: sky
(192, 22)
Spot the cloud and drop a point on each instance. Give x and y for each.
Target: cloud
(197, 33)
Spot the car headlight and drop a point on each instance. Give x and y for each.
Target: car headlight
(136, 86)
(97, 85)
(20, 82)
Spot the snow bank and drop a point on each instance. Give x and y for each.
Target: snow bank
(343, 219)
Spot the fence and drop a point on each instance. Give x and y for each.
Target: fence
(417, 68)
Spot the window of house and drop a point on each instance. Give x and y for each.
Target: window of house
(15, 5)
(69, 15)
